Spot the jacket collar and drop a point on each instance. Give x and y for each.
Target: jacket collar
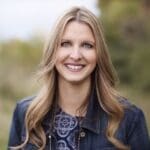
(93, 115)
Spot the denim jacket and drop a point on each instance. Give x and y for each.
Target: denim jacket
(132, 130)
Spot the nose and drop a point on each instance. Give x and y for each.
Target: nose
(76, 53)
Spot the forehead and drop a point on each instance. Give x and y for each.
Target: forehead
(77, 28)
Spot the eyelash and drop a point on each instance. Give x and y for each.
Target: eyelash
(65, 44)
(84, 45)
(87, 45)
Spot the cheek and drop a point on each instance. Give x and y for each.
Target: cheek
(92, 58)
(61, 54)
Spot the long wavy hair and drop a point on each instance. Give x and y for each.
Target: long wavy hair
(105, 79)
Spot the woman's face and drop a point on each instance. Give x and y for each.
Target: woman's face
(76, 54)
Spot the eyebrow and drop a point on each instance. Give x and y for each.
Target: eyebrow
(65, 40)
(87, 41)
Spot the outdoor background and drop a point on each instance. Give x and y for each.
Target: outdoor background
(127, 30)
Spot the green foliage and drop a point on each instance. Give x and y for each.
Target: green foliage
(21, 52)
(127, 30)
(18, 63)
(18, 59)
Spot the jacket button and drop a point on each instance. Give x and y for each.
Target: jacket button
(82, 134)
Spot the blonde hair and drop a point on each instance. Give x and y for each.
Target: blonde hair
(104, 81)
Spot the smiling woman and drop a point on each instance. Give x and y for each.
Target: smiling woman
(78, 107)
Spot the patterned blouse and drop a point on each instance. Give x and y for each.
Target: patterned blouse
(66, 130)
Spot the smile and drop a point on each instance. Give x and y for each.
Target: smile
(74, 68)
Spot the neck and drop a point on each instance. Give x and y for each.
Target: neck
(73, 96)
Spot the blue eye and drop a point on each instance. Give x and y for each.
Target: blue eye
(87, 45)
(65, 44)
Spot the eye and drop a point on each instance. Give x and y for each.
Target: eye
(87, 45)
(65, 44)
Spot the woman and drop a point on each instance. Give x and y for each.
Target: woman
(78, 108)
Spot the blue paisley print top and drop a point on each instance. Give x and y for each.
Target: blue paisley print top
(66, 130)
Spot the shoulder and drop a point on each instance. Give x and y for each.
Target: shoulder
(130, 109)
(21, 107)
(17, 130)
(134, 127)
(24, 103)
(133, 116)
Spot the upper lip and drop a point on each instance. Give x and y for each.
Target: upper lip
(74, 64)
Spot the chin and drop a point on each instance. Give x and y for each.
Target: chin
(76, 80)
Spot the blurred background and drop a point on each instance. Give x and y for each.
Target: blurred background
(25, 25)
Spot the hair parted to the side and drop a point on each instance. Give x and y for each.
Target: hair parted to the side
(104, 80)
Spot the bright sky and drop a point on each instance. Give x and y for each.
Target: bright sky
(24, 18)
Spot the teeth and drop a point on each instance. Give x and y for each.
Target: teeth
(73, 67)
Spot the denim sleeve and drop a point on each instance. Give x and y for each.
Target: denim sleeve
(138, 137)
(15, 129)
